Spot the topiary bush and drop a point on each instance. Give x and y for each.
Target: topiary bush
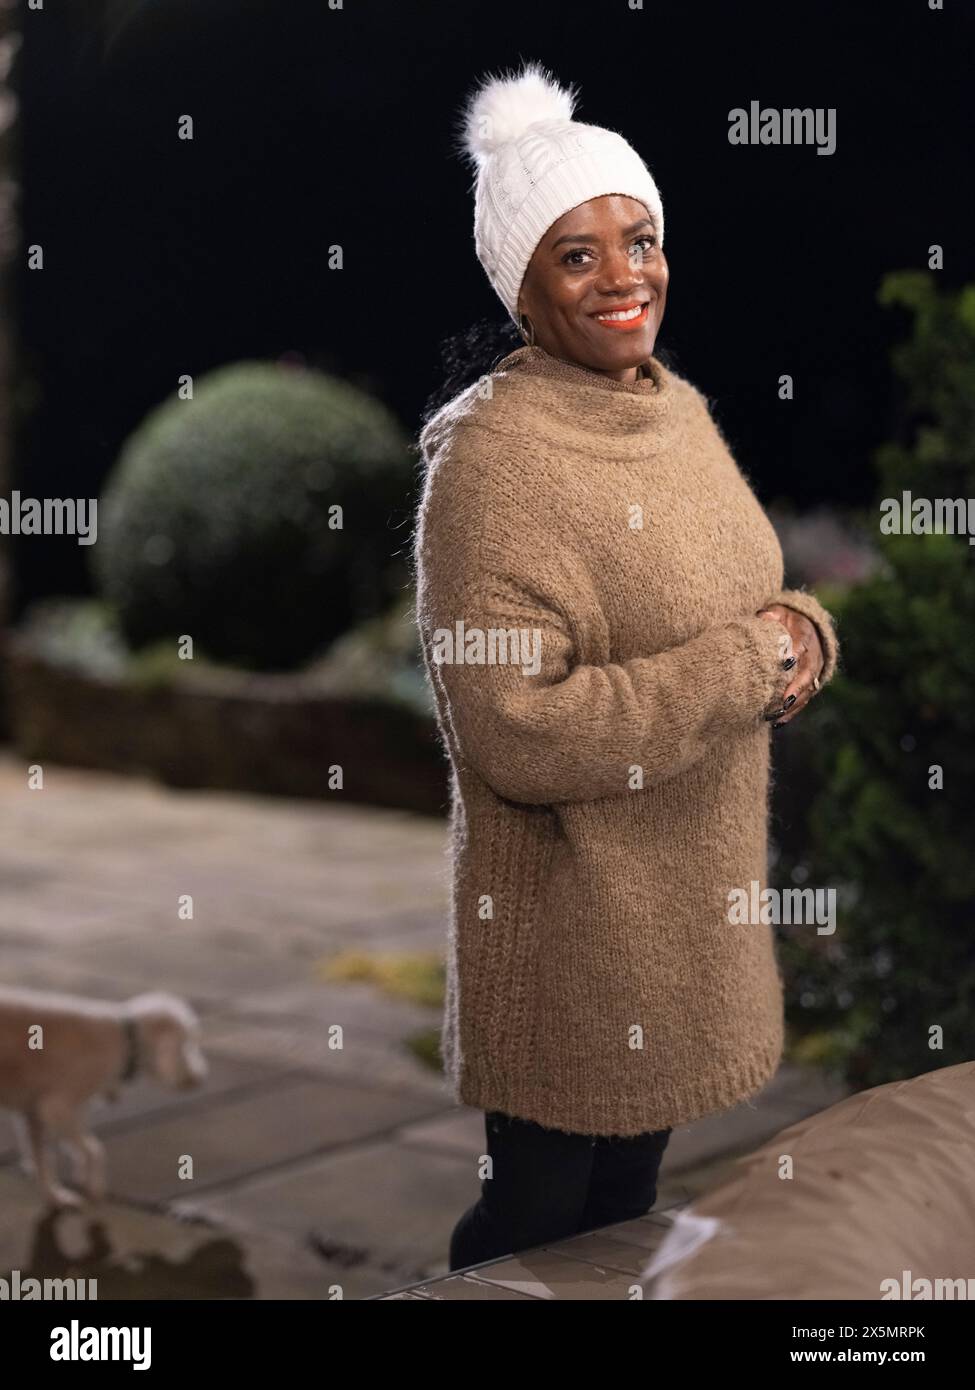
(217, 520)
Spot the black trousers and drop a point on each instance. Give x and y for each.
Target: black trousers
(547, 1185)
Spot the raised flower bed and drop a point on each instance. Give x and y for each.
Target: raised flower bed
(75, 696)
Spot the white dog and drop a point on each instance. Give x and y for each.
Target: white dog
(58, 1051)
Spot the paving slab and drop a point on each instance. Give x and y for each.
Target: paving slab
(598, 1248)
(391, 1204)
(54, 913)
(646, 1232)
(547, 1274)
(360, 1008)
(135, 1254)
(38, 967)
(459, 1130)
(238, 1137)
(378, 1063)
(792, 1094)
(181, 958)
(464, 1288)
(691, 1183)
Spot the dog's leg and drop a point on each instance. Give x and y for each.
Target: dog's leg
(22, 1134)
(97, 1168)
(88, 1154)
(71, 1145)
(58, 1195)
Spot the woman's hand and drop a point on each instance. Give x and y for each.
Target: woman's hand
(810, 659)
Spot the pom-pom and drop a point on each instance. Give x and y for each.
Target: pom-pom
(504, 107)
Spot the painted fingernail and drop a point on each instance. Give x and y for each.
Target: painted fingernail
(779, 725)
(791, 701)
(789, 663)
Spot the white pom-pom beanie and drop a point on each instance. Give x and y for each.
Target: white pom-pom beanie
(535, 163)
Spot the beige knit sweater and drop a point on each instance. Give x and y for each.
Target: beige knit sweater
(600, 685)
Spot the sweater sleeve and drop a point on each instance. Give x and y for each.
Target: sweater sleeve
(544, 727)
(810, 606)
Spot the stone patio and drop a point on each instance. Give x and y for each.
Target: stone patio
(318, 1173)
(601, 1265)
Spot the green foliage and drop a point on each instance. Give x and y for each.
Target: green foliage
(79, 635)
(425, 1047)
(903, 957)
(419, 976)
(937, 368)
(379, 660)
(217, 522)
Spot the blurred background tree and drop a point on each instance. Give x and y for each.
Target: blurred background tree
(886, 765)
(255, 517)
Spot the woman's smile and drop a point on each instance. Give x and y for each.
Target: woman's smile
(624, 319)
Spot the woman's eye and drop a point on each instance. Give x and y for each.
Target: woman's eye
(646, 243)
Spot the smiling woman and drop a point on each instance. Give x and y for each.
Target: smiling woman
(605, 799)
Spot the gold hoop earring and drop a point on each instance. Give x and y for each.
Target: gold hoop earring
(522, 320)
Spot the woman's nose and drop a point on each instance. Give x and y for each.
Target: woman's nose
(621, 273)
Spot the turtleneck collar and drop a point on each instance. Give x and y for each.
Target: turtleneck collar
(571, 404)
(536, 360)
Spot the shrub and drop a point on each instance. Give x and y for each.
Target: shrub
(902, 961)
(217, 520)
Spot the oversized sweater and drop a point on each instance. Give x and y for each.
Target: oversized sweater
(589, 562)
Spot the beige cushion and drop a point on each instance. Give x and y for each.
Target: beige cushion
(883, 1188)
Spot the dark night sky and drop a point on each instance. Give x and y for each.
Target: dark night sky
(317, 126)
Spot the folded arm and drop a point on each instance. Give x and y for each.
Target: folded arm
(575, 732)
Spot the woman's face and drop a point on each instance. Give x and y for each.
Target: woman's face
(598, 259)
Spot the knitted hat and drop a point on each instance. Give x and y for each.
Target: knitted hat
(534, 163)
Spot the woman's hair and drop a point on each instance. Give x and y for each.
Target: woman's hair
(472, 353)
